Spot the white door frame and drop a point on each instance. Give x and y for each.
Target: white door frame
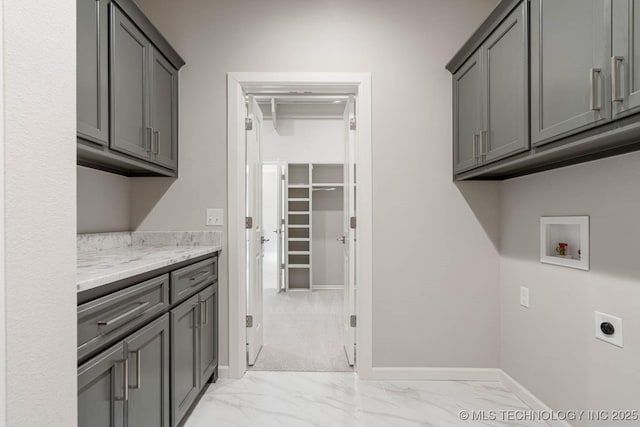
(236, 160)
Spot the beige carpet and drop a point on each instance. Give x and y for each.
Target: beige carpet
(302, 332)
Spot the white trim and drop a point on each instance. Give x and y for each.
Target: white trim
(223, 372)
(236, 184)
(3, 347)
(528, 398)
(436, 374)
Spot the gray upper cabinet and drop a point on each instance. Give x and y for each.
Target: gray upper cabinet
(490, 96)
(625, 60)
(127, 91)
(164, 111)
(130, 82)
(101, 390)
(185, 333)
(208, 332)
(569, 67)
(92, 70)
(467, 114)
(506, 101)
(149, 387)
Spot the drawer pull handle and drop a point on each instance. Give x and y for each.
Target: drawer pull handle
(138, 354)
(141, 306)
(199, 275)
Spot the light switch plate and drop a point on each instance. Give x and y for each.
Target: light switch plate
(214, 216)
(524, 296)
(616, 337)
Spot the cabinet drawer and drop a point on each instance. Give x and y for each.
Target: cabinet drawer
(190, 279)
(106, 319)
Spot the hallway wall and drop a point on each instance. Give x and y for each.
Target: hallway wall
(434, 244)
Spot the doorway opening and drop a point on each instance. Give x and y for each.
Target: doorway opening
(306, 145)
(296, 142)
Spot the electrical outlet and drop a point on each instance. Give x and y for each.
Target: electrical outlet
(608, 328)
(214, 216)
(524, 296)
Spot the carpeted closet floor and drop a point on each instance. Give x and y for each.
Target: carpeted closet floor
(302, 332)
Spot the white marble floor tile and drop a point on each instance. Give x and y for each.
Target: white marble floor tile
(328, 399)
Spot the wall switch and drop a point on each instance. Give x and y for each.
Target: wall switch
(608, 328)
(214, 217)
(524, 296)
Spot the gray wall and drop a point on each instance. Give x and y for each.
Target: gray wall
(104, 201)
(550, 347)
(435, 256)
(38, 126)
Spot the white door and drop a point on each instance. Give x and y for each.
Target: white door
(349, 237)
(254, 232)
(270, 223)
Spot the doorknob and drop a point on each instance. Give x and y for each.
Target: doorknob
(262, 240)
(341, 239)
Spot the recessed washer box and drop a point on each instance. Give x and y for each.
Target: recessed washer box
(564, 241)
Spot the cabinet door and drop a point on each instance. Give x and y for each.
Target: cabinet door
(164, 111)
(148, 356)
(92, 70)
(185, 333)
(101, 390)
(506, 101)
(130, 52)
(467, 113)
(208, 333)
(570, 49)
(625, 62)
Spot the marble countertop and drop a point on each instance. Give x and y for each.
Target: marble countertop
(108, 257)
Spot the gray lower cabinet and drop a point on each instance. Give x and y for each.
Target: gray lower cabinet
(570, 69)
(149, 387)
(185, 336)
(208, 333)
(625, 60)
(130, 81)
(128, 384)
(92, 37)
(101, 389)
(194, 348)
(164, 111)
(490, 96)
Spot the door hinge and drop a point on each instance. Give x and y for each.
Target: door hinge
(248, 223)
(249, 321)
(282, 266)
(282, 177)
(353, 321)
(352, 123)
(352, 222)
(248, 124)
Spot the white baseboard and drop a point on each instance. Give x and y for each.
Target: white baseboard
(223, 371)
(527, 397)
(436, 374)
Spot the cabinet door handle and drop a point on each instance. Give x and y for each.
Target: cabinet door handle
(206, 311)
(138, 354)
(615, 60)
(475, 146)
(147, 141)
(134, 310)
(125, 380)
(196, 307)
(484, 141)
(594, 73)
(156, 148)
